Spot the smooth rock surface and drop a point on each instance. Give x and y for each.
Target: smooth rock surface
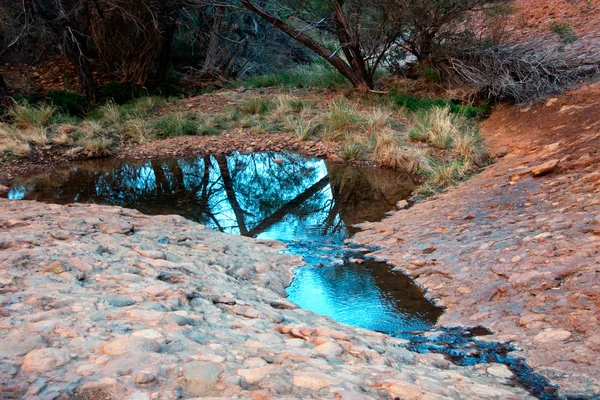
(122, 333)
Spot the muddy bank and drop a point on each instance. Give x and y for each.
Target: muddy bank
(43, 160)
(517, 254)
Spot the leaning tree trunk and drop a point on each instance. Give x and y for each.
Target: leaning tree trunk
(351, 72)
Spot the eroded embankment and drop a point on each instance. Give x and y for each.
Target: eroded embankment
(517, 254)
(104, 302)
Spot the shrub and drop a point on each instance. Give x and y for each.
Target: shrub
(67, 102)
(122, 93)
(521, 73)
(413, 103)
(565, 31)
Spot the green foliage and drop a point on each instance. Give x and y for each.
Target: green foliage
(67, 102)
(316, 74)
(351, 150)
(431, 75)
(414, 104)
(565, 31)
(122, 93)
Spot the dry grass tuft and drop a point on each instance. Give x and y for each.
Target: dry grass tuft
(138, 131)
(444, 130)
(26, 116)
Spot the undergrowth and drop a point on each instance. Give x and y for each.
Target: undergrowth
(434, 138)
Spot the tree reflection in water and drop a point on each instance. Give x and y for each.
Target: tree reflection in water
(307, 203)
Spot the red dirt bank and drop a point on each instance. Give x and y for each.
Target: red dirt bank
(517, 254)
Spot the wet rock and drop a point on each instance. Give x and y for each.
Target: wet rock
(117, 301)
(500, 371)
(46, 359)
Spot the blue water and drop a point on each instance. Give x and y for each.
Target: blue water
(309, 204)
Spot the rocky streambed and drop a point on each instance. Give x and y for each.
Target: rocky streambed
(105, 302)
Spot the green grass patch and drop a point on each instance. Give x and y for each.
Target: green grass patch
(565, 31)
(176, 125)
(414, 104)
(317, 74)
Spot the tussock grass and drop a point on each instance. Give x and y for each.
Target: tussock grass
(111, 114)
(305, 129)
(342, 116)
(97, 146)
(175, 125)
(145, 106)
(256, 106)
(137, 130)
(453, 132)
(391, 150)
(352, 150)
(26, 116)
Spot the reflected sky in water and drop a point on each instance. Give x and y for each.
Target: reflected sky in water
(309, 204)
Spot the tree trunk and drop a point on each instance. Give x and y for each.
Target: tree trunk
(4, 97)
(211, 60)
(164, 58)
(353, 75)
(75, 44)
(87, 85)
(230, 192)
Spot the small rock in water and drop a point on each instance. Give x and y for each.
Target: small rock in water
(278, 160)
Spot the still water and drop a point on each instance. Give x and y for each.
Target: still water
(310, 204)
